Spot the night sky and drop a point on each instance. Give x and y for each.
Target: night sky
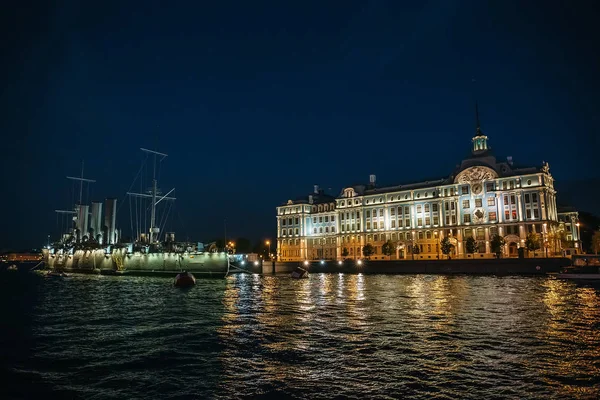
(257, 101)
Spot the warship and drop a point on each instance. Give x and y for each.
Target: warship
(92, 244)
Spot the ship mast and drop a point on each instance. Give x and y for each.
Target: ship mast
(76, 210)
(154, 229)
(81, 180)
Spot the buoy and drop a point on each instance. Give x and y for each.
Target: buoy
(185, 279)
(299, 273)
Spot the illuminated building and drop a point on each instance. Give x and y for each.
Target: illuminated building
(482, 198)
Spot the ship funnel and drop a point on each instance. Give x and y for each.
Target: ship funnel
(110, 221)
(82, 220)
(96, 220)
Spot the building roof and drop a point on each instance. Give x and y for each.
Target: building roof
(312, 198)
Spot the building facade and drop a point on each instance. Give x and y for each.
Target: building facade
(482, 198)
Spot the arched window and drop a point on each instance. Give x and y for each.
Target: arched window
(296, 231)
(314, 230)
(326, 229)
(290, 232)
(321, 230)
(326, 207)
(420, 236)
(428, 234)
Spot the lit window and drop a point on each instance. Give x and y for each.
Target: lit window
(477, 202)
(492, 216)
(427, 207)
(491, 202)
(466, 204)
(419, 208)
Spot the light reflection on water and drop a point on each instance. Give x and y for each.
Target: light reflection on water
(329, 335)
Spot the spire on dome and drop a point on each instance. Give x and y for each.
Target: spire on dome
(480, 140)
(477, 124)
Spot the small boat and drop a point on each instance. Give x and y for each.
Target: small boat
(583, 267)
(299, 273)
(12, 268)
(185, 279)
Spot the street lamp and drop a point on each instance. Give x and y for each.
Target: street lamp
(578, 238)
(544, 234)
(268, 242)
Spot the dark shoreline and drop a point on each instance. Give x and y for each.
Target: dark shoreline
(503, 266)
(492, 267)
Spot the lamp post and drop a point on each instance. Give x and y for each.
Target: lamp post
(544, 233)
(268, 243)
(580, 250)
(412, 245)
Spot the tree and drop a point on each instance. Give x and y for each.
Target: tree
(532, 242)
(345, 252)
(471, 245)
(596, 242)
(446, 246)
(415, 250)
(497, 245)
(388, 248)
(368, 250)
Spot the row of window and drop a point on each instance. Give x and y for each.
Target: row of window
(491, 202)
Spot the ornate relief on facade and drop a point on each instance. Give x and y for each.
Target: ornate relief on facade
(476, 175)
(478, 215)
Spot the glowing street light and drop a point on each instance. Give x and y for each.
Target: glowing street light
(268, 243)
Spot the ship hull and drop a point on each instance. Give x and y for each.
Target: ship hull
(120, 262)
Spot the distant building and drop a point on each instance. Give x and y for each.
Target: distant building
(482, 198)
(21, 257)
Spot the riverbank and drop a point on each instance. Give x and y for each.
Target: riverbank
(503, 266)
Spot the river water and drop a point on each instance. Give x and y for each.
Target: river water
(332, 335)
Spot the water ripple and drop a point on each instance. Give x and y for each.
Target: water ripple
(332, 335)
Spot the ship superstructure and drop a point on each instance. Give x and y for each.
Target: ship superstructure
(90, 243)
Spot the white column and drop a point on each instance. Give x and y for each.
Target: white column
(543, 204)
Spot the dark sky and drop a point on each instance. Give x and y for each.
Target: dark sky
(257, 101)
